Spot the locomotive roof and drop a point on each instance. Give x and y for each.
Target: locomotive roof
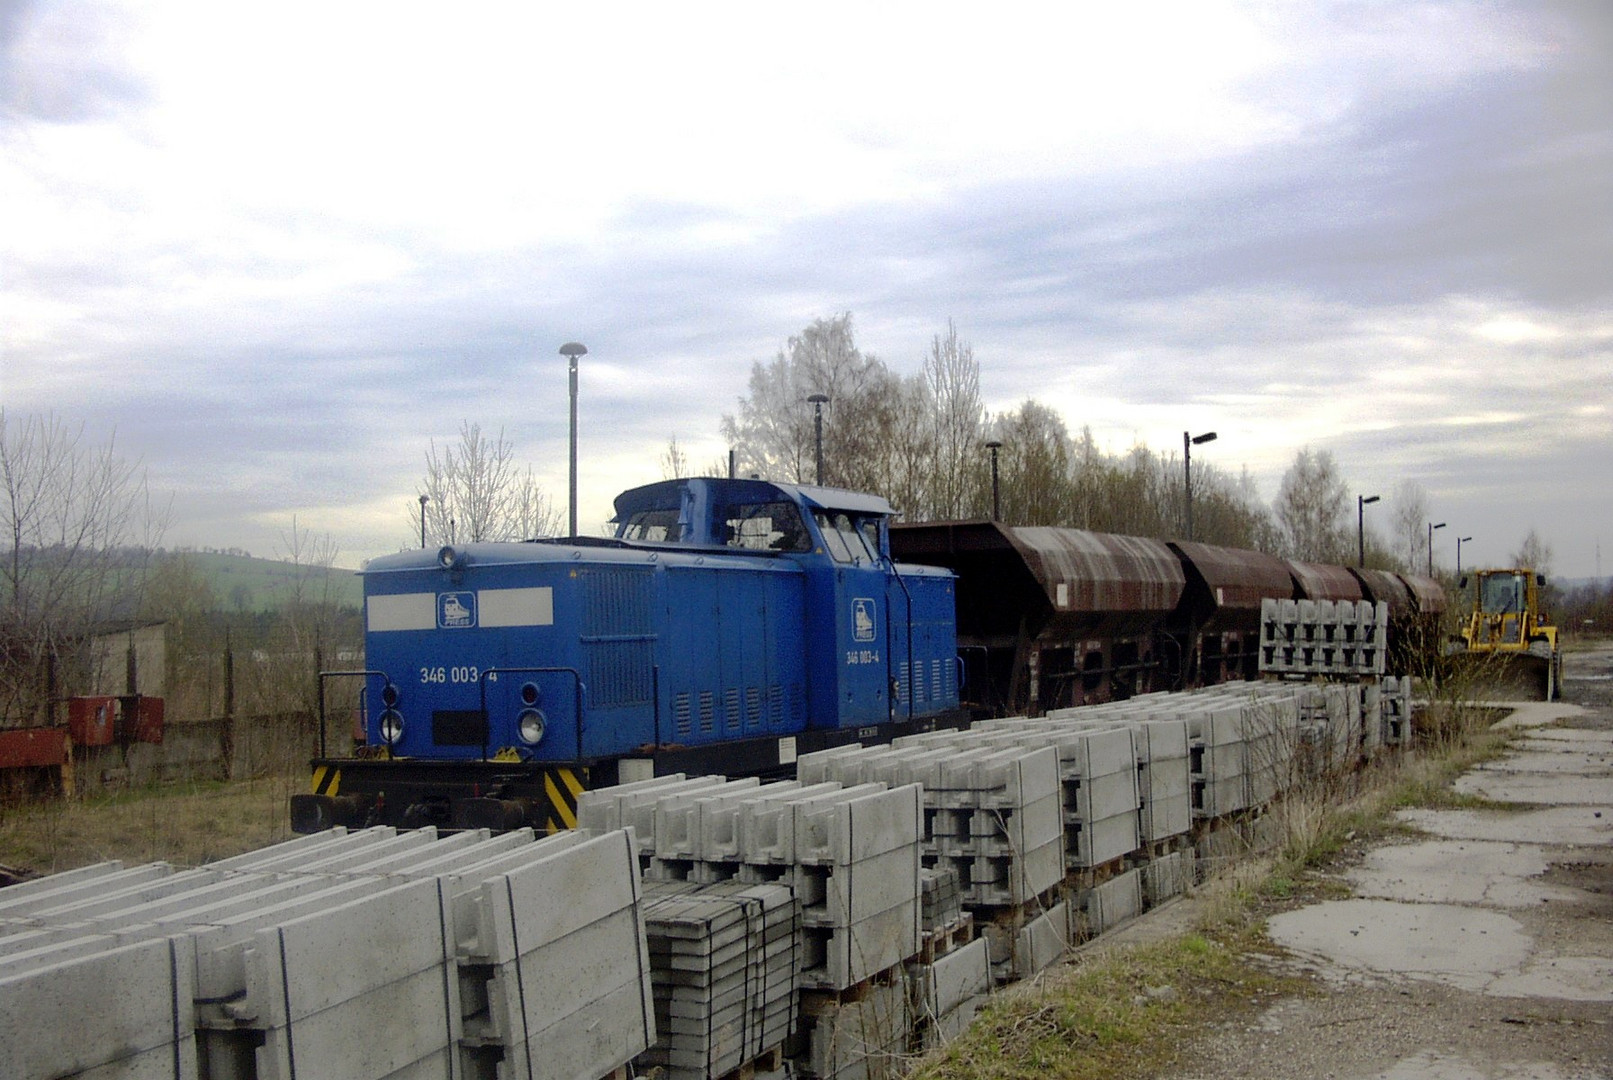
(667, 493)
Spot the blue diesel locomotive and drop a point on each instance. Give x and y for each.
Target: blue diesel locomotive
(728, 626)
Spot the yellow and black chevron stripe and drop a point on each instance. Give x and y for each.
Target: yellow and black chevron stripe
(327, 779)
(561, 786)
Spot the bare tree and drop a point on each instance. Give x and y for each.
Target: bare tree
(475, 491)
(308, 618)
(674, 462)
(774, 430)
(532, 512)
(1311, 508)
(1534, 553)
(80, 526)
(1034, 467)
(1408, 508)
(952, 378)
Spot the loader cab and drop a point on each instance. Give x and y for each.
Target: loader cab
(1506, 609)
(1503, 592)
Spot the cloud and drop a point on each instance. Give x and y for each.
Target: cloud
(282, 263)
(61, 64)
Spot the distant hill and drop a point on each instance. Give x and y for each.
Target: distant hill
(244, 583)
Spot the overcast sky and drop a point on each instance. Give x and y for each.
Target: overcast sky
(279, 248)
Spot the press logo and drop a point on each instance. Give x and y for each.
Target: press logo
(862, 619)
(456, 610)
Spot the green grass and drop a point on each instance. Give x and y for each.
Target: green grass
(189, 824)
(1111, 1015)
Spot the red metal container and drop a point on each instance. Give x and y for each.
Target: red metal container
(90, 720)
(146, 723)
(22, 748)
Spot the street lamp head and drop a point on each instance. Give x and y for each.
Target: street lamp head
(1464, 539)
(573, 349)
(1441, 525)
(1208, 436)
(818, 399)
(994, 445)
(1368, 500)
(424, 499)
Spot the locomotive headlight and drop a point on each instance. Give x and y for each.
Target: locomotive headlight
(447, 557)
(530, 725)
(391, 726)
(389, 695)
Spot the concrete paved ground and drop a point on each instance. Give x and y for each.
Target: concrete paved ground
(1482, 947)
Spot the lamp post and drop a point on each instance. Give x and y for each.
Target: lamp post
(818, 402)
(996, 495)
(571, 350)
(424, 499)
(1188, 442)
(1431, 528)
(1460, 540)
(1361, 529)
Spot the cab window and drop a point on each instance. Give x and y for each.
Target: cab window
(1503, 593)
(869, 527)
(843, 537)
(773, 526)
(653, 526)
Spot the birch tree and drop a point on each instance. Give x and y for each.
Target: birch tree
(79, 527)
(1408, 511)
(476, 491)
(1311, 508)
(952, 378)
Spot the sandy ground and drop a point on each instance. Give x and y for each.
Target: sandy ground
(1479, 947)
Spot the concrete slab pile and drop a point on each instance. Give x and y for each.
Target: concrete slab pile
(850, 854)
(1165, 876)
(143, 1024)
(940, 898)
(454, 958)
(1322, 637)
(862, 1038)
(857, 876)
(1108, 904)
(948, 992)
(991, 813)
(634, 805)
(1020, 950)
(1273, 731)
(1220, 758)
(725, 963)
(1395, 710)
(1097, 779)
(1160, 749)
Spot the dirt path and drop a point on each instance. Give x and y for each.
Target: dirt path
(1482, 947)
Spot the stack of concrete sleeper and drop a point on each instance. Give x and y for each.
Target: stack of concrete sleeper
(725, 962)
(460, 956)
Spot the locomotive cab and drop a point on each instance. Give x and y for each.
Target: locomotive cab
(727, 626)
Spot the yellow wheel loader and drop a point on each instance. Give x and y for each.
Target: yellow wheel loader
(1508, 640)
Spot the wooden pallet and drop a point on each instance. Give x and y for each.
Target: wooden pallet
(942, 940)
(1091, 877)
(767, 1061)
(819, 1002)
